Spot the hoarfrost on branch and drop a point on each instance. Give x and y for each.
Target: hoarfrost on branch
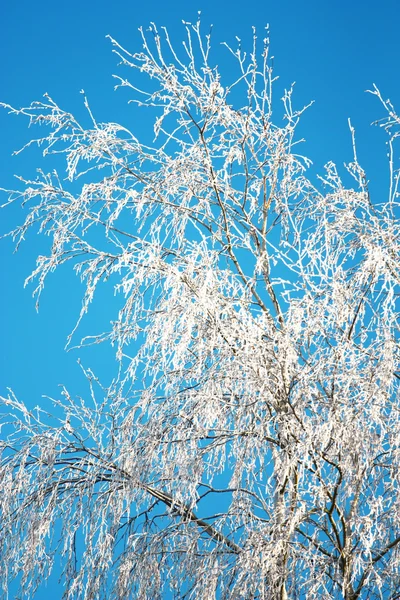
(249, 444)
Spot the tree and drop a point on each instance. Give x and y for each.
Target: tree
(248, 446)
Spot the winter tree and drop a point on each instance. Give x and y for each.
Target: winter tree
(248, 446)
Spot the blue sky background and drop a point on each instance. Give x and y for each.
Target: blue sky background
(333, 50)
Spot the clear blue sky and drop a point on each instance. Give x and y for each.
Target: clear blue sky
(333, 50)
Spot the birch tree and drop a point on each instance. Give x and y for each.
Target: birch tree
(248, 446)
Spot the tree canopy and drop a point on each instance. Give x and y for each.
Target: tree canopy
(248, 446)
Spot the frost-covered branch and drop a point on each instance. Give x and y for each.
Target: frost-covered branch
(248, 446)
